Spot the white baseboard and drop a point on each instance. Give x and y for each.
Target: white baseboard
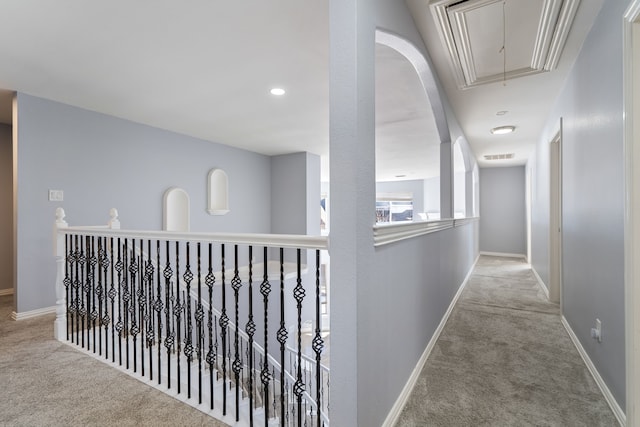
(4, 292)
(33, 313)
(394, 414)
(541, 282)
(617, 411)
(504, 254)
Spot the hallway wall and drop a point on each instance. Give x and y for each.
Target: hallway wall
(6, 208)
(502, 210)
(101, 162)
(593, 196)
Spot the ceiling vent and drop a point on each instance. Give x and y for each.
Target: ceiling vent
(494, 40)
(499, 156)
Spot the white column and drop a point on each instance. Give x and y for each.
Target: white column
(352, 189)
(60, 324)
(446, 180)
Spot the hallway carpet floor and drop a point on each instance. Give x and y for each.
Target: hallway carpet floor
(504, 359)
(44, 382)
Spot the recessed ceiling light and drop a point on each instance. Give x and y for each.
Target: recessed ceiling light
(277, 91)
(501, 130)
(501, 113)
(400, 176)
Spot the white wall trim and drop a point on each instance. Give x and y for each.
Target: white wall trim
(541, 282)
(6, 292)
(617, 411)
(391, 233)
(504, 254)
(396, 410)
(33, 313)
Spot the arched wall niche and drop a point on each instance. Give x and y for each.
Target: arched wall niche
(218, 192)
(176, 210)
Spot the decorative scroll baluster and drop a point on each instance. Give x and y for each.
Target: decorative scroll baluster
(199, 317)
(157, 306)
(106, 318)
(188, 347)
(93, 314)
(210, 280)
(224, 321)
(178, 305)
(151, 333)
(67, 284)
(133, 274)
(119, 325)
(282, 339)
(250, 329)
(142, 305)
(81, 292)
(100, 294)
(318, 342)
(299, 294)
(168, 339)
(126, 297)
(236, 284)
(265, 290)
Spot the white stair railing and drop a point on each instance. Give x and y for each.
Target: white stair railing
(165, 305)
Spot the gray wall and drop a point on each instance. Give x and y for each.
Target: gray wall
(503, 210)
(295, 194)
(432, 195)
(6, 208)
(415, 282)
(102, 162)
(591, 106)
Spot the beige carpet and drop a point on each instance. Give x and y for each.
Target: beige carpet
(46, 383)
(504, 359)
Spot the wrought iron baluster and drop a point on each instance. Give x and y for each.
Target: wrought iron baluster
(83, 286)
(168, 339)
(210, 280)
(157, 306)
(77, 284)
(178, 306)
(133, 274)
(224, 322)
(250, 329)
(299, 294)
(318, 342)
(282, 339)
(126, 297)
(100, 294)
(265, 290)
(199, 318)
(106, 318)
(188, 347)
(236, 284)
(119, 325)
(151, 333)
(67, 284)
(142, 304)
(93, 314)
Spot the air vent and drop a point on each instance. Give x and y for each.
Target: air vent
(499, 156)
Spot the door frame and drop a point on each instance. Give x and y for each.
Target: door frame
(631, 94)
(555, 218)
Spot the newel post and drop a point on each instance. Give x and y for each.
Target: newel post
(60, 325)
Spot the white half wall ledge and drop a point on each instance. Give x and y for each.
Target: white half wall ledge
(218, 192)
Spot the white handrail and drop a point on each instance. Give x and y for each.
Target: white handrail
(293, 241)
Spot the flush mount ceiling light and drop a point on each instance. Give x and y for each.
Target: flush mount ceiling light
(501, 130)
(277, 91)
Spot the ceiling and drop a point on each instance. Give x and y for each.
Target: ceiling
(206, 71)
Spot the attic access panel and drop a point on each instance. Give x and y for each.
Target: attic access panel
(471, 31)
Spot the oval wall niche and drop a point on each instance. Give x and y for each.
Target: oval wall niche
(176, 210)
(218, 192)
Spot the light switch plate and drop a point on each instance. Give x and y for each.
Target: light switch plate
(56, 195)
